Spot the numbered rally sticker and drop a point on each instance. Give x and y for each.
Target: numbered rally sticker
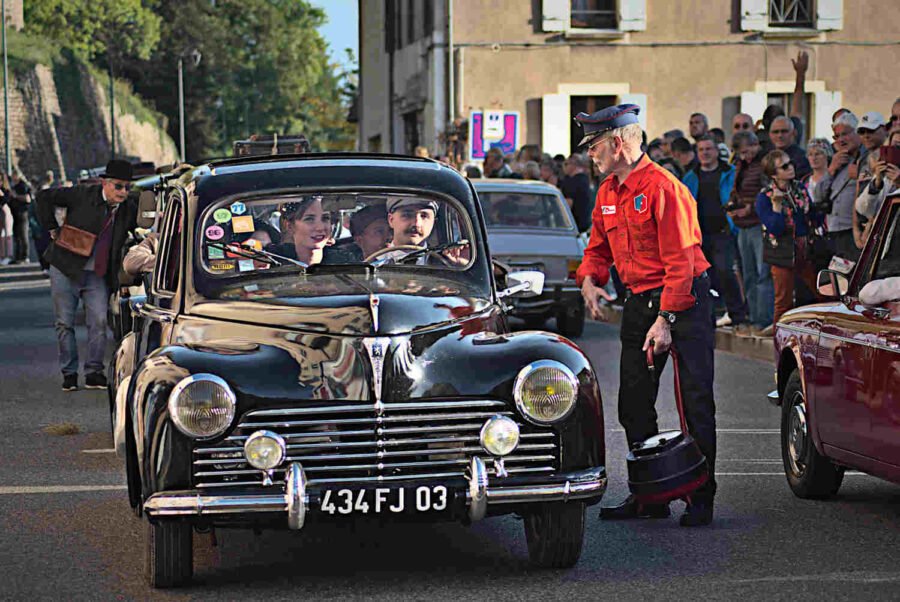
(238, 208)
(215, 253)
(222, 216)
(245, 265)
(242, 224)
(215, 233)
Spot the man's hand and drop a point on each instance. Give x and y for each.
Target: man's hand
(892, 172)
(859, 238)
(592, 295)
(838, 161)
(853, 171)
(801, 64)
(742, 212)
(659, 335)
(878, 171)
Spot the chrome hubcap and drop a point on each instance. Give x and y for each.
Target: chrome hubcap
(797, 436)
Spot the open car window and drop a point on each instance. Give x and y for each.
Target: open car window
(334, 229)
(523, 209)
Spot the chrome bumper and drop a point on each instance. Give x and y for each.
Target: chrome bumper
(294, 501)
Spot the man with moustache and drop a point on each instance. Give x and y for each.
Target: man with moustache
(412, 221)
(84, 258)
(645, 221)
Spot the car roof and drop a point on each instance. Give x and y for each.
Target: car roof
(325, 171)
(510, 184)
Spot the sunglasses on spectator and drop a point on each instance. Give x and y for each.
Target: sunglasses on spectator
(125, 187)
(780, 131)
(744, 126)
(786, 165)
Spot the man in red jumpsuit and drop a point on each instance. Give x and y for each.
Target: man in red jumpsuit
(645, 222)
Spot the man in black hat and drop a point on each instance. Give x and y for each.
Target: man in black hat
(645, 221)
(84, 258)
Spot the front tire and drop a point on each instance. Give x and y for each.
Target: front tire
(555, 534)
(170, 560)
(810, 475)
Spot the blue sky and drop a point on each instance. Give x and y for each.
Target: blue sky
(341, 30)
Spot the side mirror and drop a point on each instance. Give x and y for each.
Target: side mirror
(523, 284)
(831, 284)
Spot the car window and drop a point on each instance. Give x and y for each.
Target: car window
(516, 209)
(168, 268)
(390, 231)
(887, 262)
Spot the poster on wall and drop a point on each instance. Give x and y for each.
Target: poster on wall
(488, 129)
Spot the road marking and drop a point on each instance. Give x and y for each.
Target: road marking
(99, 451)
(18, 286)
(776, 474)
(27, 490)
(730, 431)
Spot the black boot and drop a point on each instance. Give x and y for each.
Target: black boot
(698, 513)
(631, 508)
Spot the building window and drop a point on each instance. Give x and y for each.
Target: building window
(411, 130)
(410, 21)
(584, 104)
(791, 13)
(593, 14)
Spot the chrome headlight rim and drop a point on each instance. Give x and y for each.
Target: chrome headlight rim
(527, 371)
(264, 434)
(184, 384)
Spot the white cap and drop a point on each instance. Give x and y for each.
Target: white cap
(871, 121)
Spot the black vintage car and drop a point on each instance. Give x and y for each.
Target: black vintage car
(283, 372)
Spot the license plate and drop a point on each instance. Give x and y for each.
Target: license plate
(384, 500)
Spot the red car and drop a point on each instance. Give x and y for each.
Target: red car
(838, 371)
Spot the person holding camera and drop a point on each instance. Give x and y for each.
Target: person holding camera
(789, 219)
(885, 178)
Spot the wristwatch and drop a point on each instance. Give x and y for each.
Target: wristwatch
(668, 316)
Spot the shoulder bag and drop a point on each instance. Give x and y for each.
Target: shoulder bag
(75, 240)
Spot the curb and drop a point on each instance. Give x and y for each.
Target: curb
(757, 348)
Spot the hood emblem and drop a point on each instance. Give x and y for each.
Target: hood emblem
(374, 301)
(377, 348)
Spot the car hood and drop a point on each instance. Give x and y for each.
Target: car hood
(361, 305)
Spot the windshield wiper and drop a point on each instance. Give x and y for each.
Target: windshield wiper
(356, 266)
(433, 250)
(249, 252)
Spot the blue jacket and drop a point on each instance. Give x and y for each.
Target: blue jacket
(726, 184)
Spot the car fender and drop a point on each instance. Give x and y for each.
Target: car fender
(123, 366)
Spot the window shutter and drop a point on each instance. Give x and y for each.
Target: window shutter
(555, 14)
(754, 15)
(639, 100)
(824, 104)
(555, 126)
(754, 104)
(633, 15)
(830, 14)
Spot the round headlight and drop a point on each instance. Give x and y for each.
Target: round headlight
(499, 436)
(202, 406)
(545, 391)
(264, 450)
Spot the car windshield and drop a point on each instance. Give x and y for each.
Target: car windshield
(334, 232)
(524, 209)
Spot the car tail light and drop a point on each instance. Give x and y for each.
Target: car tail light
(573, 268)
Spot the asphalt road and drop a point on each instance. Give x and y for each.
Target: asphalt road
(67, 532)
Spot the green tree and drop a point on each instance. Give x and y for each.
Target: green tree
(264, 69)
(93, 27)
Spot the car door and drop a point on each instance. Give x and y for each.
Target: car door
(883, 407)
(158, 312)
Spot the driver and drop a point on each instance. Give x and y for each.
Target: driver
(412, 221)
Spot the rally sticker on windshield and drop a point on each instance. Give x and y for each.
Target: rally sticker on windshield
(608, 209)
(242, 224)
(215, 233)
(238, 208)
(222, 216)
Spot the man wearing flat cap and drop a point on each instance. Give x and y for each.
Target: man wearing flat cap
(645, 222)
(412, 220)
(84, 258)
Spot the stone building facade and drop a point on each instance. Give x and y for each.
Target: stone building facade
(548, 59)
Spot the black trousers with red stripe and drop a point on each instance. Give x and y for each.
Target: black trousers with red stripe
(693, 337)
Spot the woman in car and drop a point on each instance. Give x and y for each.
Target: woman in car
(307, 228)
(786, 211)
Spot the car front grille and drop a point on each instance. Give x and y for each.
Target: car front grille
(351, 443)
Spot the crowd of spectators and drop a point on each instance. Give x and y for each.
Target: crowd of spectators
(773, 207)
